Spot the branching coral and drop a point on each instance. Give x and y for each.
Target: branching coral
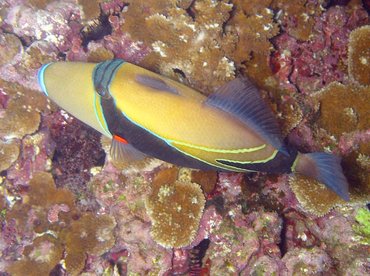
(175, 209)
(359, 55)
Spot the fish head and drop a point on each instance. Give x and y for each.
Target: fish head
(70, 85)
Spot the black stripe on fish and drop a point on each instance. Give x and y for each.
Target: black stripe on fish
(144, 141)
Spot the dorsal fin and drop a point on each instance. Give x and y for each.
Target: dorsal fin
(241, 98)
(155, 83)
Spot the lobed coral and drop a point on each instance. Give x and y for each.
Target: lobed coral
(49, 221)
(344, 108)
(313, 196)
(9, 152)
(175, 209)
(89, 234)
(359, 55)
(197, 30)
(298, 18)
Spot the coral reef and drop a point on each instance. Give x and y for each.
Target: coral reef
(47, 218)
(309, 57)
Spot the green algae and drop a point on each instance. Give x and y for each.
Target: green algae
(362, 228)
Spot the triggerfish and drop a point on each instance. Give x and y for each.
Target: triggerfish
(146, 114)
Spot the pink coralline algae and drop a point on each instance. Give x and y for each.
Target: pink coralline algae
(309, 55)
(310, 65)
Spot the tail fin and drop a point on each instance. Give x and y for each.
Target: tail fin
(325, 168)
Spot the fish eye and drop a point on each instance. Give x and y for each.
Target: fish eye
(102, 92)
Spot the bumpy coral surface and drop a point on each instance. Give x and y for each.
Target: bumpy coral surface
(175, 209)
(359, 55)
(67, 208)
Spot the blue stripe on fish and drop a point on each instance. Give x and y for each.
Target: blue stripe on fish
(103, 74)
(40, 78)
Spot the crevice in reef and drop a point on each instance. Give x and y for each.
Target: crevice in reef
(178, 71)
(96, 30)
(282, 245)
(196, 257)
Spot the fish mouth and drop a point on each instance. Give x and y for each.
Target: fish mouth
(40, 78)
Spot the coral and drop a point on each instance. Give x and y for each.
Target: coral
(188, 45)
(313, 196)
(252, 224)
(344, 108)
(359, 55)
(39, 258)
(307, 66)
(89, 234)
(10, 46)
(21, 115)
(123, 193)
(307, 261)
(297, 18)
(175, 209)
(35, 155)
(91, 9)
(51, 213)
(40, 4)
(207, 180)
(253, 47)
(9, 152)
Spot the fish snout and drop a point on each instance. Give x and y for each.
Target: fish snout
(40, 78)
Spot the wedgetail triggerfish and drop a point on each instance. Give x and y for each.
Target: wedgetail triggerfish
(146, 114)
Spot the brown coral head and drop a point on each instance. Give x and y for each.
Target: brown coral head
(175, 210)
(359, 55)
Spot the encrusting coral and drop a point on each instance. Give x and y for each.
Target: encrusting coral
(359, 55)
(198, 31)
(253, 46)
(9, 152)
(313, 196)
(54, 225)
(175, 209)
(344, 108)
(89, 234)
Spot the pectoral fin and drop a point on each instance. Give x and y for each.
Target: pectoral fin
(122, 151)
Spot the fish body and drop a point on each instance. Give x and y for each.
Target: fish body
(147, 114)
